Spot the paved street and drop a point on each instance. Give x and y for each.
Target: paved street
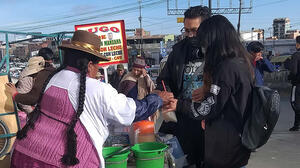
(283, 149)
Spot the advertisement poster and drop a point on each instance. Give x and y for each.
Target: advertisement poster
(113, 39)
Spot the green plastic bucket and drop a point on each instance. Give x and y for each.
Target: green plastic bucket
(116, 161)
(149, 154)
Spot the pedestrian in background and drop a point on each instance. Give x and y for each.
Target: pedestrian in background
(295, 79)
(31, 97)
(260, 63)
(27, 78)
(137, 83)
(48, 56)
(117, 76)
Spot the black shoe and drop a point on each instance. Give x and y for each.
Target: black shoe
(294, 128)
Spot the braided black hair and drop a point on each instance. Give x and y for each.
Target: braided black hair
(81, 63)
(69, 158)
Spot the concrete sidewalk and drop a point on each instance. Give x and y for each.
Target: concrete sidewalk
(283, 148)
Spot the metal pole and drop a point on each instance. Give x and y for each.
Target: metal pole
(239, 22)
(263, 36)
(209, 5)
(168, 8)
(59, 52)
(105, 74)
(7, 53)
(252, 29)
(141, 32)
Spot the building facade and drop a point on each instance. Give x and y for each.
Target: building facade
(292, 34)
(151, 48)
(21, 52)
(280, 27)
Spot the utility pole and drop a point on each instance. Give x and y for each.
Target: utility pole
(263, 30)
(252, 29)
(270, 30)
(240, 13)
(141, 32)
(209, 5)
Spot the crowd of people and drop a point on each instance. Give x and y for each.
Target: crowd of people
(207, 80)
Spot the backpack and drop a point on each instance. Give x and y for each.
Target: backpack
(262, 118)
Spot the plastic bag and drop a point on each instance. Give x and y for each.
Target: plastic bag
(170, 116)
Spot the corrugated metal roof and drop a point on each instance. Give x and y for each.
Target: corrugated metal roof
(145, 37)
(280, 58)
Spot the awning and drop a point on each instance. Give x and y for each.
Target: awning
(278, 59)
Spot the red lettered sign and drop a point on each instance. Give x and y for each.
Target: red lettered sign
(113, 40)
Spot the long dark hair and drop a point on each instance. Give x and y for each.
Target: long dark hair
(79, 60)
(218, 41)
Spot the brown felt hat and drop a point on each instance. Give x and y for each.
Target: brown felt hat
(86, 42)
(120, 67)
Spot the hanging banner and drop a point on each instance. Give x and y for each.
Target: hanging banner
(113, 40)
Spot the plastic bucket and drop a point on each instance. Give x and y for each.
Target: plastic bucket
(144, 127)
(116, 161)
(149, 154)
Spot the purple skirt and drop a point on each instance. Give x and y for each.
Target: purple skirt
(20, 160)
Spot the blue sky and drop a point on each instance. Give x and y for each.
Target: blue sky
(50, 16)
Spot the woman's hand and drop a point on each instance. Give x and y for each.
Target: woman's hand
(11, 88)
(198, 94)
(203, 124)
(164, 95)
(259, 57)
(171, 106)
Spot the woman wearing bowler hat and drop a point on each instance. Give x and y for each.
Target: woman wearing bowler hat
(69, 124)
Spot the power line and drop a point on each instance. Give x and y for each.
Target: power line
(72, 16)
(86, 18)
(77, 15)
(270, 3)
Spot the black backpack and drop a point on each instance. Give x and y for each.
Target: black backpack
(262, 118)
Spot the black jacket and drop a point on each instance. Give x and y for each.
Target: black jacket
(187, 130)
(295, 68)
(172, 73)
(115, 79)
(223, 111)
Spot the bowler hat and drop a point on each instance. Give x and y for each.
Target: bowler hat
(86, 42)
